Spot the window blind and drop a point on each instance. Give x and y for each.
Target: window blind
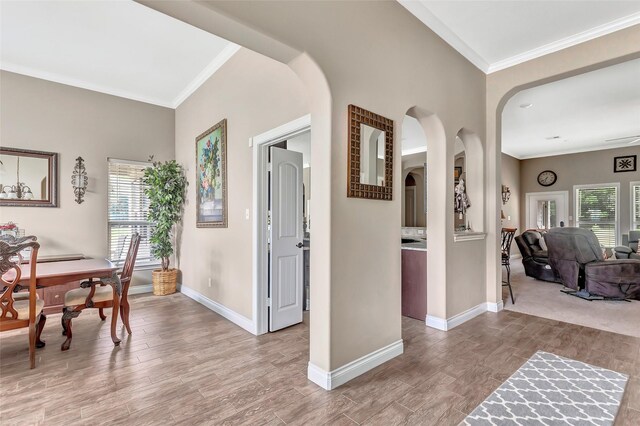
(635, 202)
(128, 207)
(597, 210)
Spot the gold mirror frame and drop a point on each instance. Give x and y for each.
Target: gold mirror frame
(355, 189)
(52, 184)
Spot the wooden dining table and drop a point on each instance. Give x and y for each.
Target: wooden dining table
(59, 273)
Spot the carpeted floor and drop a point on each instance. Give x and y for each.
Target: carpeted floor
(545, 300)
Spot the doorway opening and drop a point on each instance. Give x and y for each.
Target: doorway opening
(282, 225)
(414, 220)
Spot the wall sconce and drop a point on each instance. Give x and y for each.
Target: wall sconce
(506, 194)
(79, 180)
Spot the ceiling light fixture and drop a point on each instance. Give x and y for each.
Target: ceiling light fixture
(525, 106)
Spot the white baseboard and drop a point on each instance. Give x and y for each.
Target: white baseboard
(219, 309)
(332, 379)
(495, 307)
(140, 289)
(456, 320)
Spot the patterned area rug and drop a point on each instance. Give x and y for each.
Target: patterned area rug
(552, 390)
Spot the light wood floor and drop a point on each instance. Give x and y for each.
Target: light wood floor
(186, 365)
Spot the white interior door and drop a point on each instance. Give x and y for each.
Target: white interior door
(545, 210)
(286, 237)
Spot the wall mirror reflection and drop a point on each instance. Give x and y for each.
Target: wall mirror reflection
(28, 178)
(370, 155)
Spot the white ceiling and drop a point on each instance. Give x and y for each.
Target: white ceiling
(116, 47)
(586, 111)
(494, 35)
(413, 137)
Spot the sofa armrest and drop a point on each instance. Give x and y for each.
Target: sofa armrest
(619, 271)
(622, 249)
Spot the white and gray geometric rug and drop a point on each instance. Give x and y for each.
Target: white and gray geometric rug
(551, 390)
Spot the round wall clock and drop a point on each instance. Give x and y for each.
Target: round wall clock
(547, 178)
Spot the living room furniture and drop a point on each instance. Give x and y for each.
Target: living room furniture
(110, 292)
(19, 311)
(576, 255)
(507, 239)
(631, 250)
(535, 258)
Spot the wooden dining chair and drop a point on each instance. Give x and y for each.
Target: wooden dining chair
(105, 293)
(19, 312)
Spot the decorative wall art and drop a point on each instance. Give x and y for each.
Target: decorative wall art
(628, 163)
(370, 156)
(457, 172)
(211, 177)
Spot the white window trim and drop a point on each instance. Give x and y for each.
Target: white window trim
(139, 265)
(599, 185)
(632, 222)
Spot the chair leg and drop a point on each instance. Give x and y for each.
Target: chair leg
(513, 302)
(101, 313)
(64, 327)
(114, 318)
(39, 328)
(67, 315)
(32, 346)
(124, 313)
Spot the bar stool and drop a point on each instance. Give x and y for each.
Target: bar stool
(507, 239)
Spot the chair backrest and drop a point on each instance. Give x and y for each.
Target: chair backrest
(130, 262)
(507, 239)
(570, 249)
(10, 275)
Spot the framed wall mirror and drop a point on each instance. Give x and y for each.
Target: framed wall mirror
(370, 158)
(28, 178)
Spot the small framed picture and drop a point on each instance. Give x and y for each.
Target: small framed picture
(457, 172)
(627, 163)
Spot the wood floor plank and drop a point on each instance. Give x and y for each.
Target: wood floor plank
(186, 365)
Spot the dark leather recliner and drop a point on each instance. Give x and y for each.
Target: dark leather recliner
(575, 254)
(630, 251)
(535, 257)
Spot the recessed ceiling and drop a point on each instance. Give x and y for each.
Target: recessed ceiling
(587, 112)
(495, 35)
(116, 47)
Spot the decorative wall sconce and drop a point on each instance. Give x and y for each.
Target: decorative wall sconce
(79, 180)
(506, 194)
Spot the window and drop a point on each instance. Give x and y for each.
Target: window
(635, 205)
(128, 207)
(597, 209)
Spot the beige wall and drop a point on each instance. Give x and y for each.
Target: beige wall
(579, 169)
(613, 48)
(255, 94)
(511, 178)
(41, 115)
(356, 293)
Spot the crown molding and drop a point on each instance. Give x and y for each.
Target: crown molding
(56, 78)
(420, 11)
(568, 151)
(204, 75)
(599, 31)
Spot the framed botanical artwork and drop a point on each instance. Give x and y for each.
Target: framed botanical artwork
(211, 177)
(628, 163)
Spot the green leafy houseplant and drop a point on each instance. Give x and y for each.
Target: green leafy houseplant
(166, 188)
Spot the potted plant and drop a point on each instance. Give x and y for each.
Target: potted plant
(165, 187)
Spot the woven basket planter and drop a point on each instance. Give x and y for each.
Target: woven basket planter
(164, 282)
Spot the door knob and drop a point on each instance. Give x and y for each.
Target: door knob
(299, 245)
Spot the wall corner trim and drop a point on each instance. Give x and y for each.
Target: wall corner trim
(219, 309)
(495, 307)
(461, 318)
(332, 379)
